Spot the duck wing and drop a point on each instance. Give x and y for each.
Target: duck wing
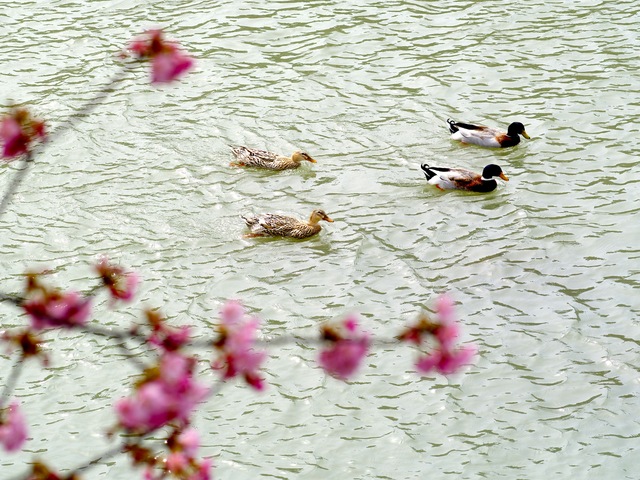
(253, 156)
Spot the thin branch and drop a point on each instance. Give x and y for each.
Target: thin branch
(15, 182)
(11, 381)
(104, 456)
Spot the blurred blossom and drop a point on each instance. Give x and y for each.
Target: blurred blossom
(346, 350)
(236, 345)
(122, 285)
(18, 130)
(52, 308)
(168, 393)
(167, 61)
(445, 361)
(13, 428)
(443, 332)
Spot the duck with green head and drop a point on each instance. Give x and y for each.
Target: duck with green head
(487, 136)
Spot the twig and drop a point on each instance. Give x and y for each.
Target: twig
(11, 381)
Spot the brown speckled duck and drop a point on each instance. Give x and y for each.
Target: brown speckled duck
(487, 136)
(273, 225)
(250, 157)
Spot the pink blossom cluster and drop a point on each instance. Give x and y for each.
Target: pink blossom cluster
(13, 428)
(18, 130)
(346, 350)
(167, 61)
(47, 307)
(444, 357)
(182, 461)
(236, 346)
(165, 337)
(167, 393)
(121, 284)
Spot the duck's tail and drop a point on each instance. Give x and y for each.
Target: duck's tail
(427, 171)
(453, 128)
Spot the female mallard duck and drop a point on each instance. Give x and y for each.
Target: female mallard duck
(487, 136)
(446, 178)
(249, 157)
(272, 225)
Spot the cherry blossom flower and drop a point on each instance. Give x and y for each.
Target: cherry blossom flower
(167, 393)
(168, 62)
(122, 285)
(236, 346)
(13, 428)
(51, 308)
(17, 131)
(347, 348)
(445, 361)
(444, 357)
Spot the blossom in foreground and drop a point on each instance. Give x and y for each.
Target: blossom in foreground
(28, 342)
(236, 346)
(168, 393)
(166, 337)
(444, 357)
(122, 284)
(52, 308)
(13, 428)
(18, 130)
(445, 361)
(346, 350)
(167, 61)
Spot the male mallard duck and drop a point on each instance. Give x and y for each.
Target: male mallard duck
(487, 136)
(272, 225)
(249, 157)
(446, 178)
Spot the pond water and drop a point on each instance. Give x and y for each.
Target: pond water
(544, 271)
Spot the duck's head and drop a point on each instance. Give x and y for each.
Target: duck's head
(493, 170)
(318, 215)
(298, 156)
(517, 128)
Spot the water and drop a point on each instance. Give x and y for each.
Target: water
(544, 270)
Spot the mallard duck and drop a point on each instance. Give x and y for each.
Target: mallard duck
(272, 225)
(446, 178)
(250, 157)
(487, 136)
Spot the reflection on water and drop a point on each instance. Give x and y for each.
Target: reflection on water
(543, 269)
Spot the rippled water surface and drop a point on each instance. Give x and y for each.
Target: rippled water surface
(544, 271)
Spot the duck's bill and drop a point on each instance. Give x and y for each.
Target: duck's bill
(504, 177)
(328, 219)
(312, 160)
(526, 135)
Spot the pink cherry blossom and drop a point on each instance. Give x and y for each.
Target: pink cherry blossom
(189, 441)
(13, 428)
(236, 346)
(17, 131)
(170, 394)
(122, 285)
(445, 361)
(168, 62)
(345, 353)
(50, 308)
(443, 357)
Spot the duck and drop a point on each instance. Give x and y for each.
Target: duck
(487, 136)
(447, 178)
(251, 157)
(274, 225)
